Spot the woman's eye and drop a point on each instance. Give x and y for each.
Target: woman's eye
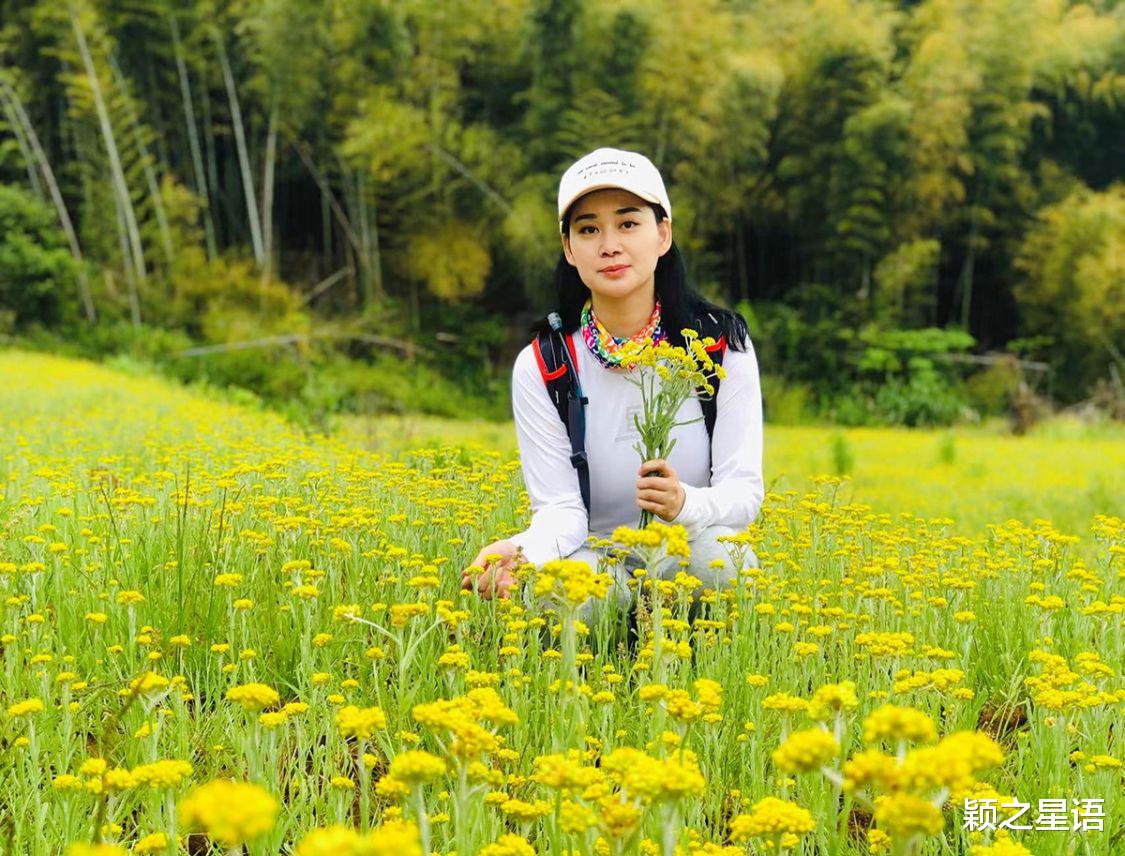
(583, 231)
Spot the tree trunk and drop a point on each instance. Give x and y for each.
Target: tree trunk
(267, 192)
(212, 159)
(325, 223)
(243, 157)
(965, 280)
(364, 238)
(117, 173)
(126, 259)
(193, 137)
(21, 141)
(376, 256)
(149, 170)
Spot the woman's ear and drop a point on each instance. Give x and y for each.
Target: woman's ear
(664, 227)
(566, 250)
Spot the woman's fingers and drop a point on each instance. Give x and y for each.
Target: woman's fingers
(494, 582)
(657, 465)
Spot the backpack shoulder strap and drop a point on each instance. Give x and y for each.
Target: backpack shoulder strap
(553, 371)
(708, 325)
(565, 393)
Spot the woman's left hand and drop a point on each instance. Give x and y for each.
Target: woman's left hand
(659, 489)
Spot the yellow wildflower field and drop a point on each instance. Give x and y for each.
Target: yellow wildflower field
(1063, 471)
(222, 634)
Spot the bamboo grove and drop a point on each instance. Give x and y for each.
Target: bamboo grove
(234, 169)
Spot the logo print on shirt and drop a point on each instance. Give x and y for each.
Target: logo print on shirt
(629, 429)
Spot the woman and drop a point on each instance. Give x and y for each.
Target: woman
(620, 277)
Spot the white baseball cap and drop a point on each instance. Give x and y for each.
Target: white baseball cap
(603, 168)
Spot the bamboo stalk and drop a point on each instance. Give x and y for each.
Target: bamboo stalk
(21, 141)
(326, 284)
(326, 190)
(117, 173)
(127, 261)
(209, 145)
(243, 157)
(193, 136)
(267, 190)
(146, 166)
(365, 238)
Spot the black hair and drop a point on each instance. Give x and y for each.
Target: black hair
(680, 304)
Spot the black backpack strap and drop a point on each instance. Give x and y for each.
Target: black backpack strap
(565, 393)
(708, 325)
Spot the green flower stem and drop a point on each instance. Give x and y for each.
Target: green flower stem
(364, 789)
(423, 818)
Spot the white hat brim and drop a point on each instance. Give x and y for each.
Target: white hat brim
(647, 197)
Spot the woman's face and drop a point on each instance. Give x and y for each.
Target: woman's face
(615, 242)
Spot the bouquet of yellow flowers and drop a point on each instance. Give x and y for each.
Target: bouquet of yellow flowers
(667, 375)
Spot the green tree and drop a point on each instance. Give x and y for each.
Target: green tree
(838, 68)
(1073, 262)
(37, 273)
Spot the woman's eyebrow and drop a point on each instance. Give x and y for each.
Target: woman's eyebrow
(595, 216)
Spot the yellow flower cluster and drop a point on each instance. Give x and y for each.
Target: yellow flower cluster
(832, 699)
(469, 719)
(1058, 688)
(1003, 846)
(770, 817)
(653, 779)
(253, 697)
(673, 538)
(691, 363)
(162, 774)
(231, 813)
(25, 708)
(522, 811)
(942, 680)
(508, 845)
(893, 724)
(904, 815)
(360, 722)
(679, 703)
(157, 842)
(892, 644)
(416, 767)
(574, 582)
(805, 751)
(394, 838)
(564, 772)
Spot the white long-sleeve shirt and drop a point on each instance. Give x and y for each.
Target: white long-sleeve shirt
(727, 491)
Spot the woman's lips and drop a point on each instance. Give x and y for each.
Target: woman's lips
(615, 272)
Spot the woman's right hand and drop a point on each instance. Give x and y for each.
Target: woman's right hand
(496, 578)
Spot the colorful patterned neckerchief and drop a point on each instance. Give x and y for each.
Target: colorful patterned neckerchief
(605, 346)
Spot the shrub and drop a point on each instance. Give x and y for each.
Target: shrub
(37, 272)
(785, 402)
(990, 390)
(1073, 291)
